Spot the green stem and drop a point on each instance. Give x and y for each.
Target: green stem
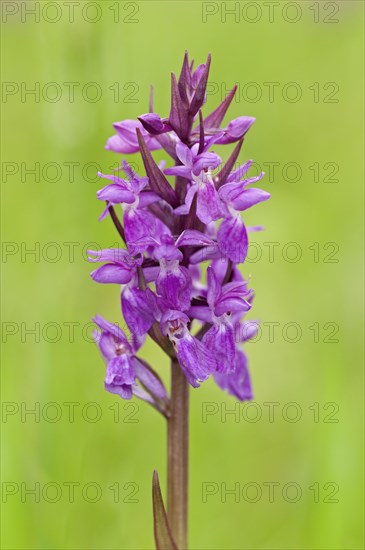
(178, 441)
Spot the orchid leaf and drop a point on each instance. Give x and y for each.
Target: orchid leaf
(222, 176)
(215, 119)
(179, 115)
(163, 536)
(199, 95)
(158, 182)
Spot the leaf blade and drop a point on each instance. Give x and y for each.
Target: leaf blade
(198, 98)
(179, 113)
(157, 179)
(221, 178)
(163, 536)
(215, 119)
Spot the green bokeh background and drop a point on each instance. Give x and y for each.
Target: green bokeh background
(234, 451)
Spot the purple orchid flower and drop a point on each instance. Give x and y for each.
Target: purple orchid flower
(196, 167)
(235, 197)
(238, 382)
(235, 130)
(195, 359)
(122, 269)
(173, 281)
(134, 195)
(154, 124)
(124, 369)
(222, 302)
(125, 140)
(170, 230)
(179, 266)
(193, 162)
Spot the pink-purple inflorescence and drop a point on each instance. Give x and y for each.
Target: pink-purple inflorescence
(176, 220)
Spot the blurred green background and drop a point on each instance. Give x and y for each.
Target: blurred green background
(315, 444)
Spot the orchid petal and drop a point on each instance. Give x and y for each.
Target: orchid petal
(184, 154)
(192, 237)
(136, 311)
(175, 285)
(112, 273)
(238, 382)
(208, 206)
(220, 341)
(115, 194)
(195, 360)
(232, 240)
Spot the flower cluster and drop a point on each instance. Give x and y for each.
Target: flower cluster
(169, 228)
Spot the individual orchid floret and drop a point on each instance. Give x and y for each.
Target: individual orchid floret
(161, 130)
(195, 359)
(173, 281)
(208, 205)
(118, 192)
(223, 265)
(135, 196)
(238, 382)
(122, 268)
(125, 140)
(136, 185)
(124, 369)
(235, 130)
(154, 125)
(236, 197)
(136, 310)
(193, 162)
(222, 302)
